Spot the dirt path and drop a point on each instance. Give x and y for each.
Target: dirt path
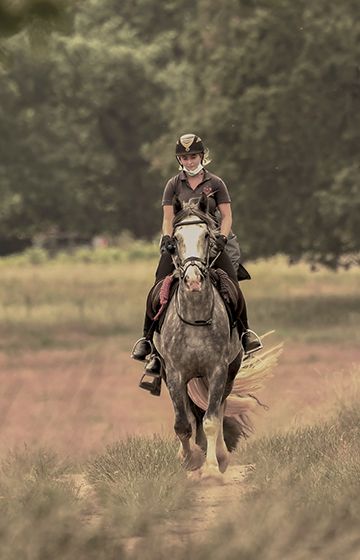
(212, 502)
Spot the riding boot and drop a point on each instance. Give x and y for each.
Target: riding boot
(143, 346)
(141, 350)
(153, 366)
(251, 342)
(249, 339)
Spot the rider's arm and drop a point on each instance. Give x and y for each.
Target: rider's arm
(167, 228)
(226, 218)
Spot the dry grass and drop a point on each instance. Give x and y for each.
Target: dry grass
(68, 386)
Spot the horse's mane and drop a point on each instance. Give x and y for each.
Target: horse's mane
(191, 209)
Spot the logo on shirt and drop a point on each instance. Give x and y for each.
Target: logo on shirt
(207, 190)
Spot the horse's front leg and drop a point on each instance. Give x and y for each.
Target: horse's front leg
(217, 456)
(185, 424)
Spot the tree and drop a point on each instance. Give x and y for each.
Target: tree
(274, 92)
(271, 86)
(88, 109)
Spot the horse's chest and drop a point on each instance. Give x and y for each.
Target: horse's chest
(185, 343)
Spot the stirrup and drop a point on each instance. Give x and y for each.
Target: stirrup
(259, 347)
(135, 345)
(154, 386)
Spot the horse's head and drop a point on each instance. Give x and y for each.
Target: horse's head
(193, 230)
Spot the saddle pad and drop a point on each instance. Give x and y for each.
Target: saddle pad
(157, 300)
(162, 292)
(230, 292)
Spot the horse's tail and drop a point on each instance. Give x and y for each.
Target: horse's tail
(250, 379)
(236, 428)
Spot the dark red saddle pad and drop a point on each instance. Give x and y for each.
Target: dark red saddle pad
(162, 292)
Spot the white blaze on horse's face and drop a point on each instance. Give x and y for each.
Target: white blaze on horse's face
(192, 241)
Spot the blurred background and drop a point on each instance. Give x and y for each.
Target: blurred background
(95, 93)
(93, 96)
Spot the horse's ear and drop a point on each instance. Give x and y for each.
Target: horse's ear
(203, 204)
(177, 204)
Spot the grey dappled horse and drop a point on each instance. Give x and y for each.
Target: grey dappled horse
(196, 340)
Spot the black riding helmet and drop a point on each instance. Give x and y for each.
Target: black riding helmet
(189, 144)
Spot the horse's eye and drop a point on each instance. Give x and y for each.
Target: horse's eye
(206, 235)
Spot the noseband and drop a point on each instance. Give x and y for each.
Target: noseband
(203, 267)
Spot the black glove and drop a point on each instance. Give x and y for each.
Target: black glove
(220, 243)
(168, 243)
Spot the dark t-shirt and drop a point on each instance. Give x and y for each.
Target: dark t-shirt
(211, 185)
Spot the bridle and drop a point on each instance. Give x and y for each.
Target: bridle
(203, 266)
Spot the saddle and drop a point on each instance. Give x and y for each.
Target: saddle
(230, 293)
(162, 292)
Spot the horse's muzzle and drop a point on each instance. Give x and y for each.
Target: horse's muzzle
(194, 285)
(193, 278)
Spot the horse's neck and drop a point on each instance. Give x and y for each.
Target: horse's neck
(196, 306)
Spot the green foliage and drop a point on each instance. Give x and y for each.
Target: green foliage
(34, 15)
(279, 104)
(138, 250)
(271, 86)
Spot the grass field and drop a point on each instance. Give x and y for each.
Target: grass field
(88, 460)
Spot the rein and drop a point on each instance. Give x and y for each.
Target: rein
(200, 322)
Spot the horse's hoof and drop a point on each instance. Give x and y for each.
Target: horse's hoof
(192, 461)
(211, 474)
(223, 462)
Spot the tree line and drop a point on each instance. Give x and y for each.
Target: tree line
(94, 95)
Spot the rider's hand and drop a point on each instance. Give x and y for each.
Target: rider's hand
(168, 244)
(220, 243)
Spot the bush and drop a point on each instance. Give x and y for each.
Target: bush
(138, 250)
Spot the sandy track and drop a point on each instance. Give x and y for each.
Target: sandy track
(212, 503)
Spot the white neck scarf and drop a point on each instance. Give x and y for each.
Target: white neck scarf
(195, 172)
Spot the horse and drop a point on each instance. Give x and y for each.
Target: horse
(198, 342)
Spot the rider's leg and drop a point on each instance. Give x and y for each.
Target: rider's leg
(250, 344)
(143, 347)
(165, 267)
(224, 262)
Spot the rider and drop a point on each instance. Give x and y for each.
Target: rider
(190, 183)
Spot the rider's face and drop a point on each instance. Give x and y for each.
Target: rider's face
(190, 161)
